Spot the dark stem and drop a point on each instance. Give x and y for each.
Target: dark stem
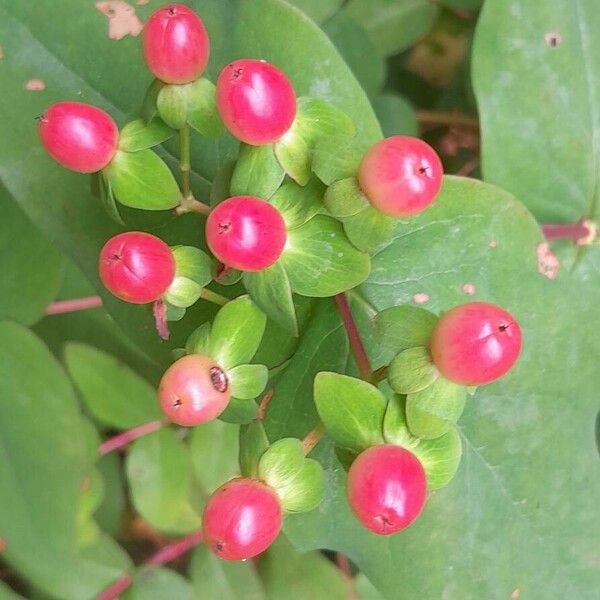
(159, 311)
(450, 119)
(125, 438)
(581, 233)
(356, 344)
(69, 306)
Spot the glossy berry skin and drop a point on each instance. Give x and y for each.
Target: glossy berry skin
(386, 488)
(475, 343)
(256, 101)
(241, 519)
(401, 176)
(246, 233)
(136, 267)
(78, 136)
(193, 390)
(176, 44)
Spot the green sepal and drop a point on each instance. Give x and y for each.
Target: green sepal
(298, 481)
(142, 180)
(107, 197)
(271, 290)
(440, 457)
(257, 172)
(369, 229)
(338, 157)
(193, 272)
(240, 412)
(298, 204)
(344, 198)
(253, 444)
(433, 411)
(171, 104)
(320, 261)
(231, 277)
(139, 135)
(149, 110)
(314, 119)
(412, 371)
(248, 381)
(174, 313)
(199, 341)
(352, 410)
(236, 332)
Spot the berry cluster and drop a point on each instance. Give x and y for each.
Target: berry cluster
(286, 224)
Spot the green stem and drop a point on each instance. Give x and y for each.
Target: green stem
(184, 161)
(213, 297)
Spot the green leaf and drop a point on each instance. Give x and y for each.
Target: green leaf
(369, 230)
(193, 272)
(139, 135)
(114, 394)
(253, 443)
(202, 112)
(109, 513)
(338, 157)
(150, 98)
(434, 410)
(142, 180)
(199, 340)
(240, 412)
(298, 204)
(344, 198)
(109, 202)
(351, 410)
(248, 381)
(412, 371)
(320, 261)
(159, 474)
(315, 118)
(236, 332)
(270, 289)
(318, 10)
(396, 115)
(157, 583)
(42, 471)
(257, 172)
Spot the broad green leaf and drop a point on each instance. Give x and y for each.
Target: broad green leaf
(159, 474)
(344, 198)
(412, 371)
(396, 115)
(240, 412)
(338, 157)
(158, 583)
(142, 180)
(199, 340)
(31, 266)
(7, 593)
(318, 10)
(139, 135)
(253, 443)
(320, 261)
(216, 579)
(109, 513)
(248, 381)
(298, 204)
(257, 172)
(236, 332)
(369, 230)
(393, 25)
(43, 467)
(107, 198)
(271, 291)
(193, 272)
(91, 498)
(351, 410)
(114, 394)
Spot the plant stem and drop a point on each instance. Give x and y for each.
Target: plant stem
(312, 438)
(69, 306)
(432, 117)
(264, 403)
(188, 205)
(356, 344)
(184, 161)
(123, 439)
(582, 233)
(213, 297)
(164, 555)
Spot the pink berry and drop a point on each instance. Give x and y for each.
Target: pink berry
(136, 267)
(256, 101)
(475, 343)
(387, 488)
(176, 45)
(246, 233)
(78, 136)
(401, 176)
(193, 390)
(241, 519)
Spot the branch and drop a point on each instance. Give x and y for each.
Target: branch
(125, 438)
(77, 304)
(312, 438)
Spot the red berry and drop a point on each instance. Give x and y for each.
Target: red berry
(475, 343)
(256, 101)
(136, 267)
(246, 233)
(241, 519)
(401, 176)
(387, 488)
(176, 45)
(78, 136)
(193, 390)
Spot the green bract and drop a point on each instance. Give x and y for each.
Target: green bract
(193, 272)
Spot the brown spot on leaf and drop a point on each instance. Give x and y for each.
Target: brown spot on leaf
(548, 264)
(2, 545)
(142, 2)
(553, 39)
(516, 593)
(469, 289)
(421, 298)
(1, 53)
(35, 85)
(493, 244)
(122, 19)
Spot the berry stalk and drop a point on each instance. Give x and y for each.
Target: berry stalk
(312, 438)
(185, 160)
(75, 305)
(125, 438)
(582, 233)
(213, 297)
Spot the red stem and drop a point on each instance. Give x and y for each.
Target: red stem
(121, 440)
(264, 403)
(575, 232)
(69, 306)
(312, 438)
(358, 349)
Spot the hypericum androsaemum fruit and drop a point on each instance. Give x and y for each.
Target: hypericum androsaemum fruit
(194, 390)
(78, 136)
(475, 343)
(386, 488)
(246, 233)
(256, 101)
(176, 44)
(241, 519)
(136, 267)
(401, 176)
